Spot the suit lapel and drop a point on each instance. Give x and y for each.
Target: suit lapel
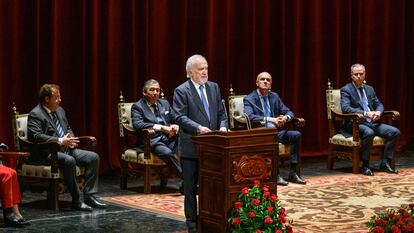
(358, 98)
(148, 112)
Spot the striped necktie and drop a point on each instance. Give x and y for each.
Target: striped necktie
(59, 130)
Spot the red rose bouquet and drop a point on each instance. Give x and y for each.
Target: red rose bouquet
(257, 210)
(393, 221)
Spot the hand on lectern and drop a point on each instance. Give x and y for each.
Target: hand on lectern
(202, 129)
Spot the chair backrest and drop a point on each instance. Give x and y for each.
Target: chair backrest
(124, 116)
(333, 100)
(236, 109)
(19, 122)
(236, 112)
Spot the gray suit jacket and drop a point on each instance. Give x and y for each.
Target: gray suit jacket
(143, 118)
(190, 114)
(41, 128)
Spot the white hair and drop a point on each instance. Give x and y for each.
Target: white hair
(190, 62)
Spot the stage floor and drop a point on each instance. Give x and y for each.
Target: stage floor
(118, 218)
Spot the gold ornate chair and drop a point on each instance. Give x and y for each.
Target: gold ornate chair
(133, 162)
(349, 148)
(239, 120)
(38, 177)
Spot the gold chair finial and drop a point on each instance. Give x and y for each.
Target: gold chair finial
(231, 90)
(121, 98)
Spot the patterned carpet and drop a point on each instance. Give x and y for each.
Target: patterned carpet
(337, 203)
(344, 203)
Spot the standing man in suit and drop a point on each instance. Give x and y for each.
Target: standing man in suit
(198, 109)
(357, 97)
(266, 106)
(47, 122)
(151, 112)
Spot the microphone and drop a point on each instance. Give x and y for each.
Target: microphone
(260, 109)
(254, 105)
(225, 112)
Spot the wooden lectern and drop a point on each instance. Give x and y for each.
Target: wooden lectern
(228, 162)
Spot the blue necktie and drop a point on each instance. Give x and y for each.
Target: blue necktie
(364, 101)
(204, 100)
(59, 129)
(266, 110)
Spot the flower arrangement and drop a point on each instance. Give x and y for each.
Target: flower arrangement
(257, 210)
(395, 221)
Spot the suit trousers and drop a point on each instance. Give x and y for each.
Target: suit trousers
(84, 158)
(369, 130)
(9, 188)
(164, 149)
(190, 175)
(293, 138)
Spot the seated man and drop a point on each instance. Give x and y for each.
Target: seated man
(10, 196)
(153, 112)
(357, 97)
(47, 122)
(266, 106)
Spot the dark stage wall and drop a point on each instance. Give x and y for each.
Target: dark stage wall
(95, 49)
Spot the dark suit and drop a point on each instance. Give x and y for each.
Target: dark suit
(41, 128)
(190, 114)
(254, 110)
(351, 103)
(144, 118)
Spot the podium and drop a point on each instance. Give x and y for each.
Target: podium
(228, 162)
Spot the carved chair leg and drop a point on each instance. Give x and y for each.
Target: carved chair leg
(147, 179)
(329, 164)
(53, 195)
(124, 178)
(355, 161)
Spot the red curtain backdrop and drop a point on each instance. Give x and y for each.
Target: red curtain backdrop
(95, 49)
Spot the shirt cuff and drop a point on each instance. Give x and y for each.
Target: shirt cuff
(157, 127)
(60, 140)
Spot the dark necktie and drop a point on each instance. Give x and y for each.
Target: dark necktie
(364, 101)
(59, 130)
(157, 114)
(204, 100)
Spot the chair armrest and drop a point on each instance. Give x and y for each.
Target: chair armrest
(53, 148)
(357, 117)
(87, 141)
(298, 122)
(147, 134)
(11, 158)
(391, 115)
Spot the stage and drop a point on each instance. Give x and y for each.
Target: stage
(332, 201)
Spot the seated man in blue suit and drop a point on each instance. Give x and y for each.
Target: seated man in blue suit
(357, 97)
(266, 106)
(151, 112)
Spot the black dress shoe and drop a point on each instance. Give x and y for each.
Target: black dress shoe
(294, 178)
(81, 206)
(12, 221)
(163, 184)
(93, 202)
(23, 221)
(385, 167)
(281, 181)
(366, 171)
